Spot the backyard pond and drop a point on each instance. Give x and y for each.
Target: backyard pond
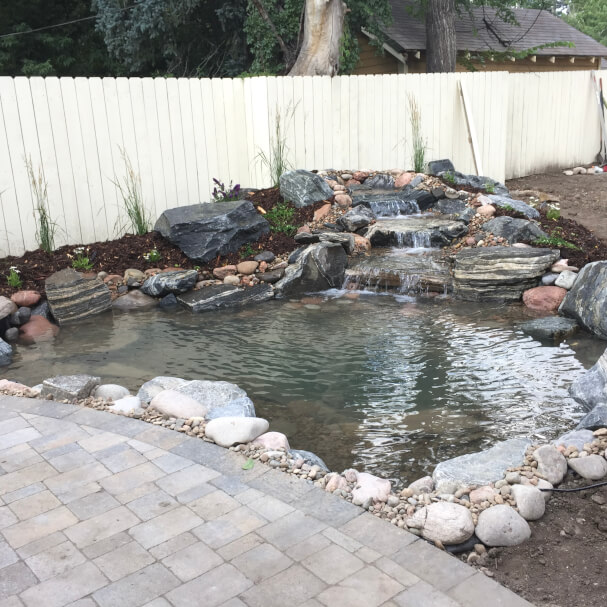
(387, 384)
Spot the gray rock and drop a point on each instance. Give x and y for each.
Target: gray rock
(586, 301)
(356, 218)
(303, 188)
(381, 181)
(266, 256)
(345, 240)
(168, 301)
(502, 526)
(7, 307)
(20, 317)
(435, 167)
(592, 467)
(549, 279)
(70, 387)
(319, 267)
(127, 405)
(457, 209)
(422, 485)
(483, 467)
(111, 392)
(529, 501)
(566, 279)
(73, 297)
(443, 522)
(597, 418)
(415, 232)
(309, 458)
(589, 388)
(11, 335)
(390, 204)
(499, 273)
(551, 464)
(239, 407)
(204, 231)
(306, 238)
(550, 328)
(575, 438)
(175, 404)
(134, 300)
(177, 281)
(220, 398)
(43, 309)
(6, 353)
(459, 180)
(514, 230)
(271, 277)
(156, 385)
(295, 255)
(217, 297)
(518, 205)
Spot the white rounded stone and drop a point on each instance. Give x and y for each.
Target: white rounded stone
(175, 404)
(372, 487)
(228, 431)
(273, 440)
(126, 405)
(444, 522)
(111, 392)
(592, 467)
(529, 501)
(551, 463)
(422, 485)
(502, 526)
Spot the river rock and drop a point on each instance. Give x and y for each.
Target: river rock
(20, 317)
(356, 218)
(443, 522)
(549, 279)
(544, 299)
(529, 501)
(156, 385)
(591, 467)
(7, 307)
(217, 297)
(25, 298)
(457, 209)
(11, 335)
(370, 487)
(133, 300)
(499, 273)
(566, 279)
(435, 167)
(597, 418)
(6, 353)
(266, 256)
(586, 301)
(220, 398)
(228, 431)
(204, 231)
(126, 405)
(502, 526)
(178, 281)
(483, 467)
(514, 230)
(518, 205)
(575, 438)
(303, 188)
(168, 301)
(133, 276)
(272, 440)
(481, 494)
(551, 463)
(271, 277)
(74, 297)
(550, 328)
(174, 404)
(589, 388)
(111, 392)
(478, 182)
(335, 481)
(69, 387)
(319, 267)
(415, 232)
(309, 458)
(38, 329)
(380, 181)
(247, 267)
(6, 384)
(422, 485)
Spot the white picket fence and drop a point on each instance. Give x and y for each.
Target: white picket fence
(180, 133)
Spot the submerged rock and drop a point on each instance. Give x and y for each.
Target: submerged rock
(217, 297)
(544, 299)
(134, 300)
(69, 387)
(309, 458)
(502, 526)
(443, 522)
(228, 431)
(550, 328)
(575, 438)
(514, 230)
(303, 188)
(178, 281)
(204, 231)
(38, 329)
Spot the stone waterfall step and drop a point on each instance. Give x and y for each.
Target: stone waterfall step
(391, 204)
(400, 270)
(419, 231)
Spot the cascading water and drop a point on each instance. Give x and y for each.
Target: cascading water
(394, 208)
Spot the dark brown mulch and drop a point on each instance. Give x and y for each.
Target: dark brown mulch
(116, 256)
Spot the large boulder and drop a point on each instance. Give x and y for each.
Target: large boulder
(514, 230)
(204, 231)
(478, 182)
(517, 205)
(597, 418)
(499, 273)
(415, 232)
(319, 267)
(309, 458)
(443, 522)
(370, 487)
(439, 166)
(483, 467)
(587, 300)
(590, 388)
(502, 526)
(356, 218)
(6, 353)
(156, 385)
(176, 281)
(303, 188)
(216, 297)
(73, 296)
(220, 398)
(457, 209)
(70, 387)
(228, 431)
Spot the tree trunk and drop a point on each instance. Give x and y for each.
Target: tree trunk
(441, 50)
(323, 29)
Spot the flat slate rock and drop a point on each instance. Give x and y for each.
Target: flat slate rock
(217, 297)
(435, 167)
(390, 204)
(356, 218)
(303, 188)
(483, 467)
(73, 297)
(550, 328)
(204, 231)
(597, 418)
(499, 273)
(513, 229)
(409, 232)
(518, 205)
(479, 182)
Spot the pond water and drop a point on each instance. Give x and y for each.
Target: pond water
(387, 384)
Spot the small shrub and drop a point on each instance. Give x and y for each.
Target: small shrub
(13, 279)
(449, 177)
(132, 198)
(153, 256)
(81, 261)
(489, 188)
(280, 218)
(222, 194)
(46, 227)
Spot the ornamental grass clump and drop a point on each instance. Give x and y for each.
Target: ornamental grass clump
(418, 142)
(45, 226)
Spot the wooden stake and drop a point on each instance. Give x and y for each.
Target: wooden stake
(471, 129)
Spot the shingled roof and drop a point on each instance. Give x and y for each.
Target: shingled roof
(482, 30)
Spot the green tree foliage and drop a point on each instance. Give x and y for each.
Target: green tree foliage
(590, 17)
(70, 50)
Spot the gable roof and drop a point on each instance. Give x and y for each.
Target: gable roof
(481, 30)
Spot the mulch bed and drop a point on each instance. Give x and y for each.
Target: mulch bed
(116, 256)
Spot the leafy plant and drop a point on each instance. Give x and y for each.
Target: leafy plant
(556, 241)
(489, 187)
(449, 177)
(45, 226)
(13, 279)
(153, 256)
(275, 161)
(247, 251)
(280, 218)
(81, 261)
(553, 214)
(508, 207)
(222, 194)
(418, 143)
(132, 198)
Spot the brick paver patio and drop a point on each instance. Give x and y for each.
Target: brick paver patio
(102, 510)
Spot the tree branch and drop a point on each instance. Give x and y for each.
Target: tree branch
(283, 47)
